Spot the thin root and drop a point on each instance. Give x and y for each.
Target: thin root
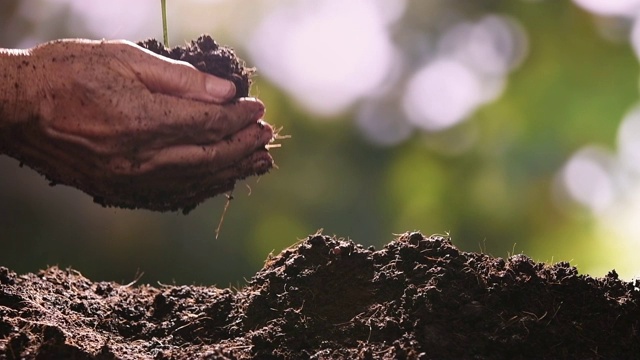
(224, 211)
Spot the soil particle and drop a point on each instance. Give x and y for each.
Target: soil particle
(325, 298)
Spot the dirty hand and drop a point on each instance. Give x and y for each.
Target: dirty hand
(129, 127)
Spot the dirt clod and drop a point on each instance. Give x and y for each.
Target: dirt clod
(416, 298)
(206, 55)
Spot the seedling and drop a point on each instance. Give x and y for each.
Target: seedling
(165, 33)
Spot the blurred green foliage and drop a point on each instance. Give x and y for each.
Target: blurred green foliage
(495, 196)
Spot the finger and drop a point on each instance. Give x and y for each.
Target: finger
(210, 158)
(179, 121)
(257, 163)
(205, 187)
(176, 78)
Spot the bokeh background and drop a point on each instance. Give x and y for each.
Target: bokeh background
(514, 126)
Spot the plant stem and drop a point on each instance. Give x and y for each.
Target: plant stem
(165, 33)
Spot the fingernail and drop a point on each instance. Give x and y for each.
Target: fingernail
(221, 89)
(265, 126)
(258, 108)
(258, 114)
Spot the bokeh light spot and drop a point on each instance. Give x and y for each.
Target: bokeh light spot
(115, 19)
(492, 46)
(610, 7)
(629, 140)
(588, 181)
(635, 36)
(326, 54)
(383, 122)
(441, 95)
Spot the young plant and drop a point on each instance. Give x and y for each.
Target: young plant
(165, 33)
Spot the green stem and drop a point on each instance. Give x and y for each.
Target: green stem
(165, 33)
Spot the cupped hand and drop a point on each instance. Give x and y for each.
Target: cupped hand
(134, 129)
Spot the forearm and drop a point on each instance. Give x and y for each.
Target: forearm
(18, 103)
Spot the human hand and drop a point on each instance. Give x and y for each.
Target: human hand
(134, 129)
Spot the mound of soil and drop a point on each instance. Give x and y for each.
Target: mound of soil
(325, 298)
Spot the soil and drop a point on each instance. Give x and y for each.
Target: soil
(326, 298)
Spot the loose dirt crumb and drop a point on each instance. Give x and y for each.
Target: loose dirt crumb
(417, 298)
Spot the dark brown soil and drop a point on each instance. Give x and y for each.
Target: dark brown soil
(324, 298)
(206, 55)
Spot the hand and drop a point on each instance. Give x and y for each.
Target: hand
(134, 129)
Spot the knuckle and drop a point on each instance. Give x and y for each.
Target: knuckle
(219, 121)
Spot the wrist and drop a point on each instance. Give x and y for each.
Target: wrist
(17, 88)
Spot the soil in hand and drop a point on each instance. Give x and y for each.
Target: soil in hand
(325, 298)
(207, 56)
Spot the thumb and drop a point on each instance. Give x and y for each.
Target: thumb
(178, 78)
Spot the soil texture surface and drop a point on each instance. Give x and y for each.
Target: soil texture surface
(325, 298)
